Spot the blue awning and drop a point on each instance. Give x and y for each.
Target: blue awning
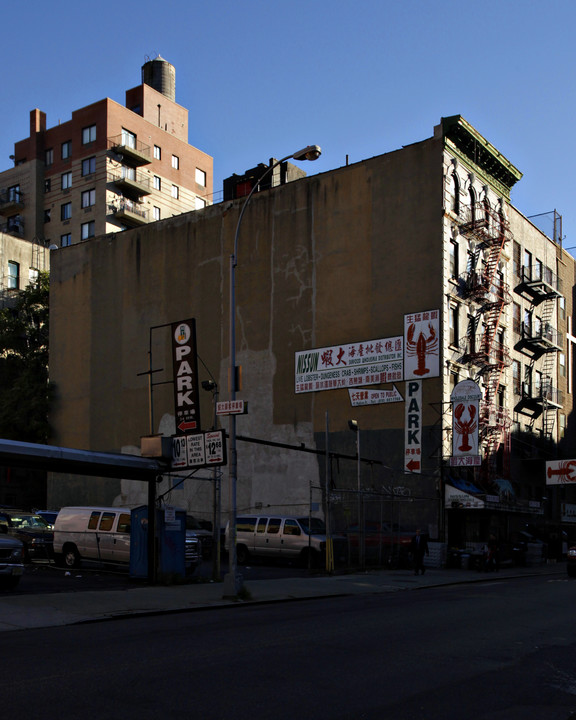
(464, 486)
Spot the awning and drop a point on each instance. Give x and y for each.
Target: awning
(456, 498)
(464, 485)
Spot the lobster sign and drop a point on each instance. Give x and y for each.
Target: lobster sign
(559, 472)
(421, 344)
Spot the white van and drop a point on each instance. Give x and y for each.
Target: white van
(284, 537)
(92, 533)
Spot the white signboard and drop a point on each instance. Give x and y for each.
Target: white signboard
(198, 450)
(465, 399)
(466, 461)
(230, 407)
(421, 344)
(374, 397)
(413, 427)
(559, 472)
(568, 512)
(344, 366)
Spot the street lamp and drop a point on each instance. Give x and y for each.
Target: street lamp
(232, 581)
(353, 425)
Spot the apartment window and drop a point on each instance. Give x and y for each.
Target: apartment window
(527, 327)
(13, 275)
(199, 203)
(453, 325)
(14, 223)
(175, 162)
(14, 193)
(454, 259)
(200, 177)
(47, 185)
(157, 183)
(561, 425)
(49, 156)
(66, 211)
(527, 268)
(88, 134)
(516, 315)
(156, 213)
(66, 181)
(562, 308)
(516, 258)
(128, 138)
(66, 149)
(47, 215)
(87, 230)
(455, 194)
(538, 269)
(175, 191)
(516, 384)
(128, 173)
(157, 152)
(88, 166)
(562, 364)
(65, 239)
(89, 198)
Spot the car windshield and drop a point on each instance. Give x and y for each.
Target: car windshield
(312, 526)
(192, 523)
(33, 521)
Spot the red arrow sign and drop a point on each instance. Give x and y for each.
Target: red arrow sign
(413, 465)
(188, 425)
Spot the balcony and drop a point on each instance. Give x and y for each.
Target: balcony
(129, 212)
(134, 184)
(14, 226)
(133, 151)
(535, 341)
(538, 283)
(479, 351)
(533, 400)
(11, 201)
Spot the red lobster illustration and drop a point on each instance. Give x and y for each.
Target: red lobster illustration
(422, 347)
(564, 471)
(465, 428)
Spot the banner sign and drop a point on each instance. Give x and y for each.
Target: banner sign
(559, 472)
(413, 427)
(342, 366)
(374, 397)
(185, 364)
(465, 399)
(421, 344)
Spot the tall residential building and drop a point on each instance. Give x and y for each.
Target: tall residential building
(109, 168)
(369, 293)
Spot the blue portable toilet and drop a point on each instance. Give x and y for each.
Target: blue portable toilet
(171, 543)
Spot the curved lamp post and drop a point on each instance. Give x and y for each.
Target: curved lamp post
(232, 581)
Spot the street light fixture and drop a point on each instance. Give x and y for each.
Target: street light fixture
(232, 581)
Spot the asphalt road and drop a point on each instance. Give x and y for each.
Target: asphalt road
(501, 649)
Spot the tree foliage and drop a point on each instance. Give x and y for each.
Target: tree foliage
(24, 385)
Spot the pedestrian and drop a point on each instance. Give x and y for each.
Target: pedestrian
(419, 548)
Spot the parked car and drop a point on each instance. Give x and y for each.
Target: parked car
(194, 529)
(32, 530)
(48, 515)
(11, 560)
(383, 542)
(571, 561)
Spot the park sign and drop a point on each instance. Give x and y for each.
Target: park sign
(347, 366)
(185, 364)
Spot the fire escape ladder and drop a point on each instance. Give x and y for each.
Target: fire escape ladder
(491, 231)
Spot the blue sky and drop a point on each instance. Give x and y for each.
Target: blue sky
(264, 78)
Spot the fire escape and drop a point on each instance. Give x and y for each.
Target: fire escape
(488, 232)
(539, 339)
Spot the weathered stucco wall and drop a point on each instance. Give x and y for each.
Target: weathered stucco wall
(334, 258)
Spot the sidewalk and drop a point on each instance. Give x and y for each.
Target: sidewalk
(19, 612)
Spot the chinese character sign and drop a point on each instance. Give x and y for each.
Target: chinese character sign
(347, 366)
(421, 344)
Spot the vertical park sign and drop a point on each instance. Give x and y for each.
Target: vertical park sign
(185, 364)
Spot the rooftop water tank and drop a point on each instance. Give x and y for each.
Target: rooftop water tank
(160, 75)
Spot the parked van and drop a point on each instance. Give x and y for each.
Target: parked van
(92, 533)
(103, 534)
(287, 537)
